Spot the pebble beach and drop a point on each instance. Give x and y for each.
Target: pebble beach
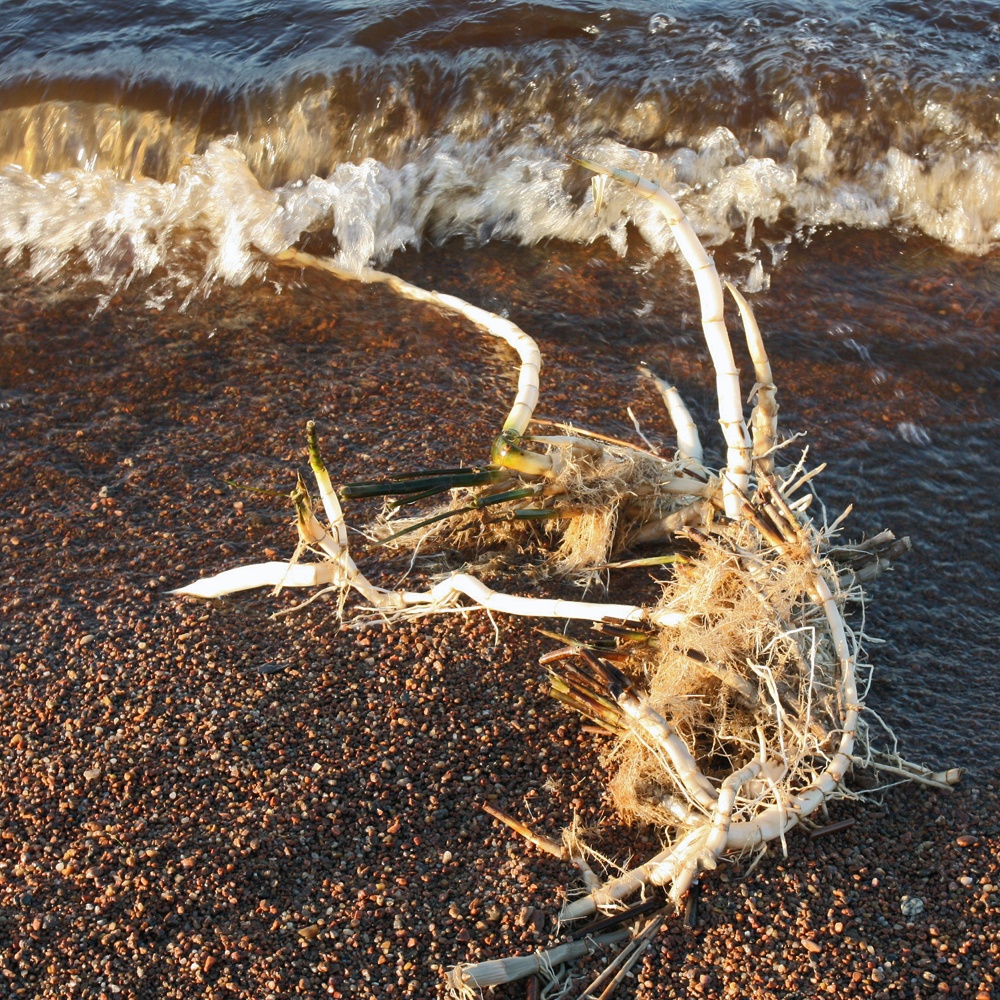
(202, 800)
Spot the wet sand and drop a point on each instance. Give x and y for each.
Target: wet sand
(203, 801)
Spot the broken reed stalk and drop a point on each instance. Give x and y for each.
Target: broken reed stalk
(733, 699)
(562, 851)
(764, 418)
(516, 424)
(541, 962)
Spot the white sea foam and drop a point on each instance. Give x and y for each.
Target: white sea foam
(215, 221)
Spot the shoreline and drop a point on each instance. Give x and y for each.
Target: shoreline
(243, 806)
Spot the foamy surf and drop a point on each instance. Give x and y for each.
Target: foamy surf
(215, 221)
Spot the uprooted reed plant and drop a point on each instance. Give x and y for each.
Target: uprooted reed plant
(735, 692)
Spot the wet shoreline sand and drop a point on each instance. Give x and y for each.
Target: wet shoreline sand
(202, 801)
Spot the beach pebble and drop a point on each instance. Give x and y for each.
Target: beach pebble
(911, 906)
(91, 773)
(446, 857)
(271, 668)
(966, 840)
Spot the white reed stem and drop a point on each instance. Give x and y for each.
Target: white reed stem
(688, 440)
(688, 773)
(527, 350)
(727, 376)
(662, 865)
(678, 864)
(444, 594)
(468, 980)
(718, 839)
(349, 575)
(268, 574)
(941, 780)
(764, 418)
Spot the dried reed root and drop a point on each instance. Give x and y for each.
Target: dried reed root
(735, 696)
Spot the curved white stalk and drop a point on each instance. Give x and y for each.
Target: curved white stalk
(679, 864)
(675, 864)
(688, 440)
(527, 350)
(444, 595)
(713, 324)
(688, 773)
(718, 839)
(764, 418)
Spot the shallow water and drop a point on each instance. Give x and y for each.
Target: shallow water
(903, 407)
(842, 159)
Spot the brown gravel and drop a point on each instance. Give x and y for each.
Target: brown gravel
(202, 801)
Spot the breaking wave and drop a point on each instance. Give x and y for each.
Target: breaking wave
(382, 129)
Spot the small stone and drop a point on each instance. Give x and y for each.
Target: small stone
(811, 945)
(210, 960)
(91, 773)
(446, 857)
(309, 933)
(967, 840)
(911, 906)
(270, 668)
